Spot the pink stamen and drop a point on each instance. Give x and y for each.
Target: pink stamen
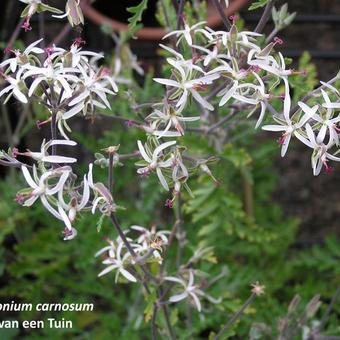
(328, 169)
(278, 41)
(20, 198)
(39, 124)
(282, 139)
(48, 51)
(233, 18)
(8, 50)
(15, 152)
(169, 203)
(130, 123)
(79, 41)
(26, 25)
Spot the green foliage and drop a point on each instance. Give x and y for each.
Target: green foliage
(282, 18)
(136, 18)
(258, 4)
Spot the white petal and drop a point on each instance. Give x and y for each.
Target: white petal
(143, 152)
(107, 270)
(178, 297)
(58, 159)
(127, 275)
(162, 179)
(28, 177)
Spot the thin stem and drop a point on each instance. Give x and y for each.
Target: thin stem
(63, 33)
(180, 14)
(116, 224)
(272, 35)
(236, 316)
(123, 119)
(153, 322)
(180, 231)
(171, 238)
(329, 309)
(224, 18)
(126, 156)
(265, 16)
(248, 196)
(166, 316)
(122, 235)
(110, 175)
(221, 122)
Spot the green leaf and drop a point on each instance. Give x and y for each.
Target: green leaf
(137, 12)
(258, 4)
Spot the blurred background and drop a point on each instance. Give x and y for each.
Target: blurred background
(36, 266)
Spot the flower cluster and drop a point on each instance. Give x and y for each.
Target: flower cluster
(314, 126)
(66, 83)
(147, 248)
(243, 73)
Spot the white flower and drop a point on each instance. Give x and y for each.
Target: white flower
(320, 154)
(51, 73)
(231, 90)
(269, 64)
(110, 249)
(118, 263)
(152, 158)
(94, 85)
(328, 123)
(187, 32)
(16, 86)
(43, 156)
(75, 204)
(22, 58)
(153, 130)
(286, 125)
(212, 55)
(244, 39)
(103, 198)
(190, 290)
(170, 118)
(185, 85)
(187, 64)
(75, 55)
(149, 235)
(41, 188)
